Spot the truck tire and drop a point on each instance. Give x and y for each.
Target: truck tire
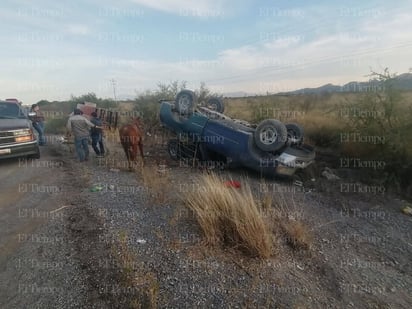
(270, 135)
(216, 104)
(185, 102)
(295, 133)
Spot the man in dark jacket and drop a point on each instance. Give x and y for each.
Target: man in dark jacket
(97, 136)
(80, 127)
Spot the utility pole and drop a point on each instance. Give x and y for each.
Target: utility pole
(113, 81)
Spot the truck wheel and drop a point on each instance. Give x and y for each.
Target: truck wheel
(270, 135)
(185, 102)
(216, 104)
(295, 133)
(173, 149)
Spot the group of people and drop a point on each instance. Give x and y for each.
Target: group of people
(81, 128)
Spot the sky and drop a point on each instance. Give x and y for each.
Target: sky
(53, 50)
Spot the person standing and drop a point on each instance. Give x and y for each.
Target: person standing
(97, 135)
(38, 123)
(80, 127)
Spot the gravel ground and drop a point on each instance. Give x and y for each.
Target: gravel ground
(125, 246)
(41, 271)
(360, 256)
(45, 275)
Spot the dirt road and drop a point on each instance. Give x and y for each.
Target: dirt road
(34, 194)
(28, 199)
(51, 255)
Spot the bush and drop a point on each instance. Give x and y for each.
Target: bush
(384, 115)
(147, 103)
(56, 126)
(91, 97)
(230, 217)
(237, 218)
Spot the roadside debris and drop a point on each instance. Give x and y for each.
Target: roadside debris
(407, 210)
(161, 169)
(96, 188)
(329, 175)
(232, 183)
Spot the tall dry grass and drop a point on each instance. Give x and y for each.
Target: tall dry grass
(285, 215)
(230, 216)
(252, 223)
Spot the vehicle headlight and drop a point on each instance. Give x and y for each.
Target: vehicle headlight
(22, 132)
(23, 135)
(20, 139)
(287, 159)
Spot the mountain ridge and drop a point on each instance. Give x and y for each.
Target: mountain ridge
(401, 82)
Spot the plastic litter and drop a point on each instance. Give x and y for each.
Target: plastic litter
(232, 183)
(96, 188)
(407, 210)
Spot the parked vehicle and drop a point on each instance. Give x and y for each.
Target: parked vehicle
(16, 132)
(271, 148)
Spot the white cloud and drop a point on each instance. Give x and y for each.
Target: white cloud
(339, 57)
(199, 8)
(55, 69)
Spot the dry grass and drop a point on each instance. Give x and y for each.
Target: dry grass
(230, 216)
(115, 157)
(156, 178)
(297, 234)
(239, 219)
(288, 220)
(112, 136)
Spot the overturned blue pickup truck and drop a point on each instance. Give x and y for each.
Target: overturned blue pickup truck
(206, 134)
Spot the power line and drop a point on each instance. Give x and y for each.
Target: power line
(268, 70)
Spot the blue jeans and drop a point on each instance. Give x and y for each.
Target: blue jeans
(39, 126)
(97, 138)
(82, 148)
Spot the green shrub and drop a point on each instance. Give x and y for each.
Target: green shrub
(147, 103)
(385, 115)
(56, 126)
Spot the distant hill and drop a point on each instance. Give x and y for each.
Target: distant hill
(401, 82)
(237, 94)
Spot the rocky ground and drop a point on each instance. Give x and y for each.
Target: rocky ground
(126, 243)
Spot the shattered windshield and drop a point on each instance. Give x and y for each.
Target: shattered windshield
(10, 111)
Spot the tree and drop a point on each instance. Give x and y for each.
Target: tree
(203, 93)
(91, 97)
(147, 103)
(381, 115)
